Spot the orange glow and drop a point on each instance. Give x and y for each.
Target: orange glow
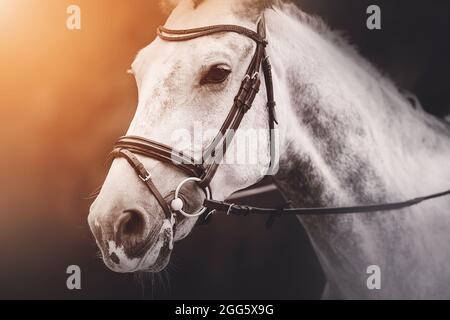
(8, 9)
(61, 93)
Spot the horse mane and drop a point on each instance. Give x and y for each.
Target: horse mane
(340, 39)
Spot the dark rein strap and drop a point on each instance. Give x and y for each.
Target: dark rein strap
(246, 210)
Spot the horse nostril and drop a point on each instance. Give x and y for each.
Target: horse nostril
(131, 225)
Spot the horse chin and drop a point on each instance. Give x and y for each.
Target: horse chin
(159, 266)
(154, 260)
(143, 264)
(162, 260)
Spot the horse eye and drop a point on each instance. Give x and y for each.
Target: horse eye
(216, 74)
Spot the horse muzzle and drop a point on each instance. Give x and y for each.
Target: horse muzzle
(133, 243)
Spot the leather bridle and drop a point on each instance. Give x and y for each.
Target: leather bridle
(203, 171)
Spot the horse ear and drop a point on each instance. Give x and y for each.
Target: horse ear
(168, 5)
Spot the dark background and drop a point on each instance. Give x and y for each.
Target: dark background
(65, 97)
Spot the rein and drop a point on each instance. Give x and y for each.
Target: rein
(246, 210)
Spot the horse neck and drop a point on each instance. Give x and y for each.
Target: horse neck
(340, 116)
(349, 137)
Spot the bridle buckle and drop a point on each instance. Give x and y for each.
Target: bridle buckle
(147, 176)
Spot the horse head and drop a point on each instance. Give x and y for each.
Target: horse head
(185, 90)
